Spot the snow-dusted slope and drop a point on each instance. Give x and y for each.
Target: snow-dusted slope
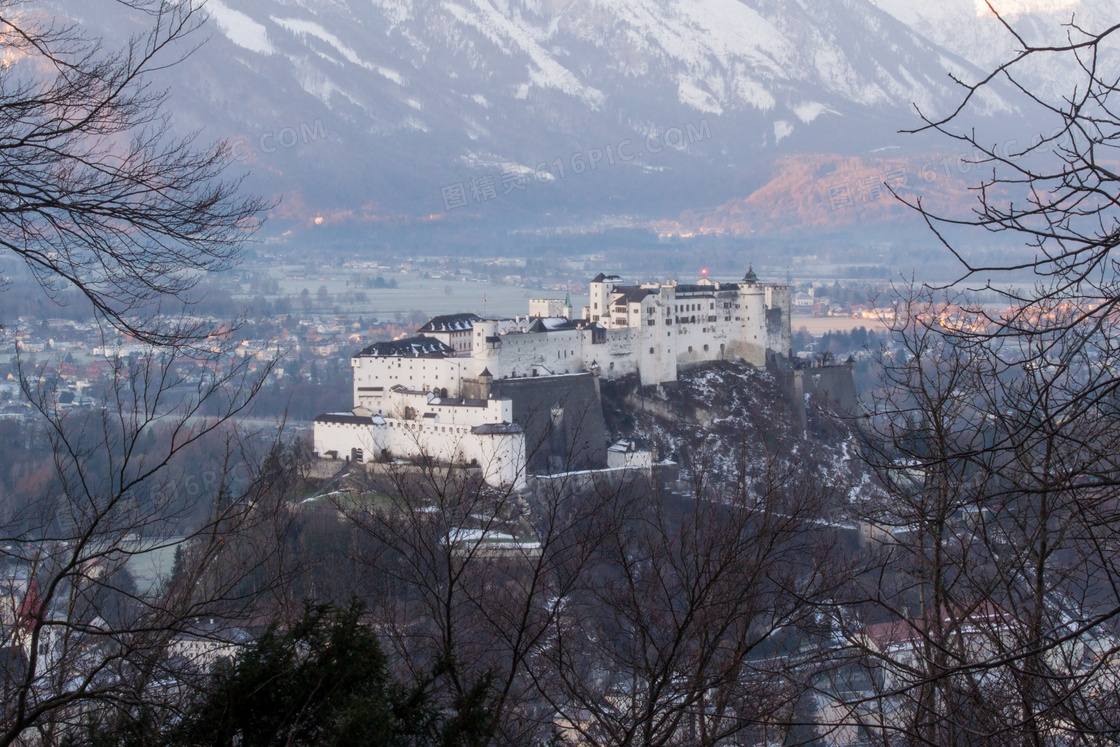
(707, 55)
(970, 30)
(362, 108)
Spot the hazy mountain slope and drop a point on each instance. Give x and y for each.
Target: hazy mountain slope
(365, 111)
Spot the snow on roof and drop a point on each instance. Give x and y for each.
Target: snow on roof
(458, 402)
(343, 418)
(451, 323)
(632, 293)
(553, 324)
(410, 347)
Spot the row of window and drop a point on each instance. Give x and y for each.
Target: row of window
(689, 320)
(420, 426)
(721, 346)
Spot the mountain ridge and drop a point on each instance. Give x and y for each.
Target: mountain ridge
(370, 112)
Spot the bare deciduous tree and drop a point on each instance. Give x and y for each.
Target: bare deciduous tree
(991, 614)
(689, 626)
(598, 609)
(100, 195)
(96, 190)
(83, 641)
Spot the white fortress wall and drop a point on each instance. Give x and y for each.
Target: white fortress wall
(546, 307)
(421, 425)
(375, 376)
(405, 404)
(539, 353)
(749, 318)
(499, 455)
(339, 435)
(657, 351)
(619, 354)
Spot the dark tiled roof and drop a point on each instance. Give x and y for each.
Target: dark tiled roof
(451, 323)
(410, 347)
(682, 288)
(553, 324)
(632, 293)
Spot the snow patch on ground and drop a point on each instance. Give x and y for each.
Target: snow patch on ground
(690, 94)
(859, 491)
(310, 28)
(390, 74)
(312, 80)
(303, 28)
(240, 28)
(396, 11)
(782, 130)
(505, 33)
(809, 110)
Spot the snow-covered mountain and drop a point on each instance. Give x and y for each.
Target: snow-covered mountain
(362, 110)
(970, 30)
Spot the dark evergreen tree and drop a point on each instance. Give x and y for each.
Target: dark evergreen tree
(324, 681)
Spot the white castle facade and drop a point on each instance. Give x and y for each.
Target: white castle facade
(431, 394)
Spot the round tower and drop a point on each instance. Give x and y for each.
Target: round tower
(485, 342)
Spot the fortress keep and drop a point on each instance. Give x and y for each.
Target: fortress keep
(439, 393)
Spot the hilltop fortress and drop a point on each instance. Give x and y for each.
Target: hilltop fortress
(473, 390)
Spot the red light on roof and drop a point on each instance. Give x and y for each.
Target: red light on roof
(704, 271)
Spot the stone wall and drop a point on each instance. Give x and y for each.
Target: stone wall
(563, 420)
(832, 385)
